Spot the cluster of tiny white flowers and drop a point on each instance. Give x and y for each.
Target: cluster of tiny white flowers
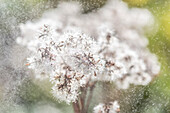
(115, 51)
(132, 68)
(68, 60)
(75, 64)
(111, 107)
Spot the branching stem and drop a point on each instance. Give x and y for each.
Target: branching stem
(82, 104)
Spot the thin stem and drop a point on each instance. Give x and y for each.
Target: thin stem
(92, 86)
(80, 106)
(83, 96)
(76, 107)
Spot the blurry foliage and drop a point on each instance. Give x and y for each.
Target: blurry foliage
(159, 43)
(154, 98)
(38, 92)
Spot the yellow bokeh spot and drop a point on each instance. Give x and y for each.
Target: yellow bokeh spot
(165, 23)
(136, 2)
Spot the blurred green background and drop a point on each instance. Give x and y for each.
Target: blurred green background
(154, 98)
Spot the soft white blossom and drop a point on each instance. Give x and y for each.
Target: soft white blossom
(111, 107)
(69, 61)
(125, 65)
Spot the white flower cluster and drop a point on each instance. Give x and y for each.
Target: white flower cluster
(111, 107)
(131, 68)
(69, 60)
(114, 51)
